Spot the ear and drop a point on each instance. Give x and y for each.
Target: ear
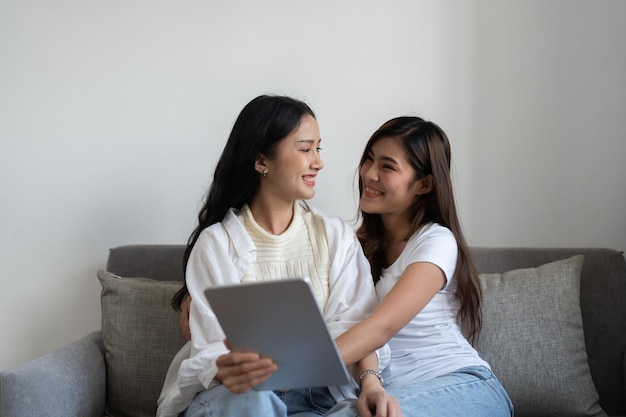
(424, 185)
(260, 164)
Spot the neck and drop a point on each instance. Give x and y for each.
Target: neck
(273, 216)
(395, 228)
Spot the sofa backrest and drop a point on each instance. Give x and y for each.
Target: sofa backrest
(160, 262)
(603, 291)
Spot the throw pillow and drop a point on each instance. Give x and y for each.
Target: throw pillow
(532, 337)
(141, 335)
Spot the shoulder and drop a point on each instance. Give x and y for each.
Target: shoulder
(435, 231)
(211, 240)
(432, 240)
(229, 231)
(216, 231)
(223, 245)
(435, 244)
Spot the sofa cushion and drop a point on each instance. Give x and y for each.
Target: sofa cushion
(141, 335)
(533, 338)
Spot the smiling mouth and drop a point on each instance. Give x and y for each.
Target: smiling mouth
(371, 192)
(309, 179)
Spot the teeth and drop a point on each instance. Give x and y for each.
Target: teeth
(371, 191)
(309, 178)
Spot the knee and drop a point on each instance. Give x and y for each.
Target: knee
(219, 401)
(260, 401)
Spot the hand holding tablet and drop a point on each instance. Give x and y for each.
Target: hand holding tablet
(280, 320)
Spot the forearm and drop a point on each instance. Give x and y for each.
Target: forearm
(360, 341)
(370, 362)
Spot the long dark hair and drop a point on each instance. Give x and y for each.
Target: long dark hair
(428, 151)
(262, 123)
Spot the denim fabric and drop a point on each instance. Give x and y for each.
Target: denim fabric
(471, 391)
(307, 402)
(220, 402)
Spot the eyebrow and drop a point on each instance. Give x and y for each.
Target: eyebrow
(311, 141)
(385, 158)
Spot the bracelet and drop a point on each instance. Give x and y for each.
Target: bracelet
(370, 371)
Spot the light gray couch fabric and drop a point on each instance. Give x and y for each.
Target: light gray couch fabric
(70, 382)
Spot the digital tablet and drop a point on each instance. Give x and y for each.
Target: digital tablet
(281, 320)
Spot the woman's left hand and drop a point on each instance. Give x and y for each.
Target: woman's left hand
(374, 401)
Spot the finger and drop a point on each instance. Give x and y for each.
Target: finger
(380, 405)
(240, 380)
(243, 383)
(397, 410)
(236, 358)
(227, 344)
(388, 407)
(239, 371)
(241, 364)
(364, 407)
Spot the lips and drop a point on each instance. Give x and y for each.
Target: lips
(370, 191)
(309, 179)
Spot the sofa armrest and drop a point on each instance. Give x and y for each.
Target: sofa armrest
(70, 382)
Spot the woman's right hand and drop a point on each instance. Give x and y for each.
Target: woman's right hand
(237, 371)
(184, 317)
(240, 371)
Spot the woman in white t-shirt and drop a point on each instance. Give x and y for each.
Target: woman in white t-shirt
(425, 279)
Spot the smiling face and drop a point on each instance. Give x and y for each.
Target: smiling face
(291, 174)
(389, 184)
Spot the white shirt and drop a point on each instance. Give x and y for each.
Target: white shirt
(432, 343)
(221, 256)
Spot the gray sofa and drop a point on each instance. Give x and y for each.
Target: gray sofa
(536, 302)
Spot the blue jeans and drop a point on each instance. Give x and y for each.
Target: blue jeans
(220, 402)
(471, 391)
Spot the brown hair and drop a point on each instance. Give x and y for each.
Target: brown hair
(428, 151)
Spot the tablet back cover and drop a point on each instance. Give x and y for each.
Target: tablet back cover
(280, 319)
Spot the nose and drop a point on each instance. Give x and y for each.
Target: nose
(369, 172)
(317, 161)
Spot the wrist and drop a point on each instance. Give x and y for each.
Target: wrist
(370, 375)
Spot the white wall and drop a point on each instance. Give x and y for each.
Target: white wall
(550, 133)
(112, 115)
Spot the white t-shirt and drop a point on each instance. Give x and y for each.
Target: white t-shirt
(432, 343)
